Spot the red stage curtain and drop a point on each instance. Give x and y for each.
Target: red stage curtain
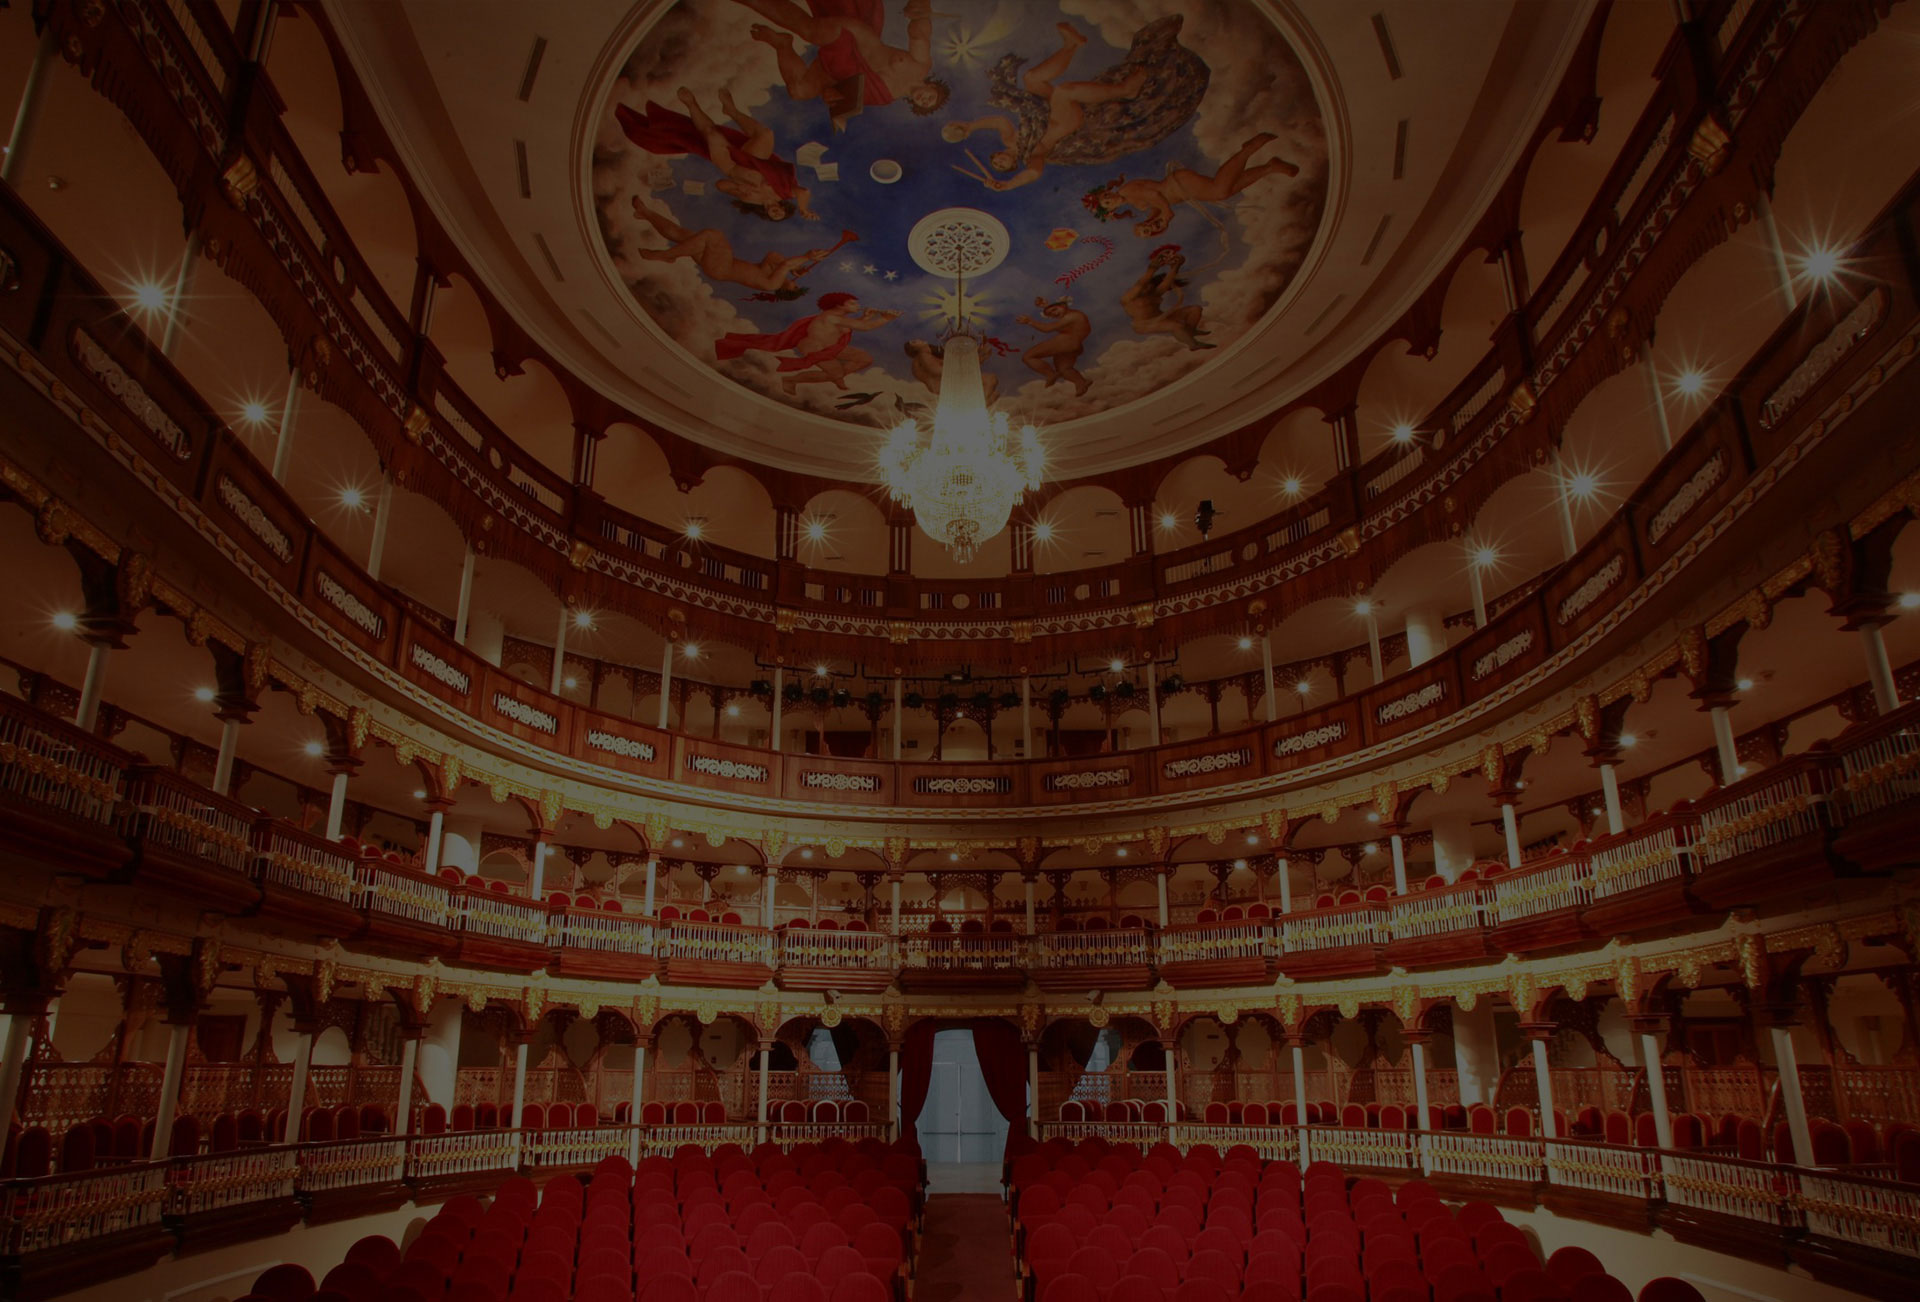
(916, 1076)
(1003, 1062)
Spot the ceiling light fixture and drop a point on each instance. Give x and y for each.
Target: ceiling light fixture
(1043, 531)
(204, 695)
(1820, 263)
(1121, 851)
(583, 619)
(807, 853)
(1583, 484)
(963, 474)
(1116, 666)
(1303, 687)
(677, 843)
(353, 498)
(1239, 864)
(819, 671)
(733, 711)
(1403, 433)
(1485, 557)
(1745, 684)
(695, 529)
(149, 297)
(1690, 383)
(1169, 521)
(1246, 644)
(1373, 815)
(1371, 847)
(1292, 486)
(66, 621)
(816, 531)
(254, 412)
(313, 748)
(691, 650)
(1363, 607)
(1628, 741)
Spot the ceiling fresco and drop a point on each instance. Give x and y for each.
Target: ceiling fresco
(1159, 168)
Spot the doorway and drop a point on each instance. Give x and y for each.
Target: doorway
(959, 1124)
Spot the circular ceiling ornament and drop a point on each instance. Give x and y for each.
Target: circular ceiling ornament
(955, 242)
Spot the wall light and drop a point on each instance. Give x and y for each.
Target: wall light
(314, 749)
(1116, 666)
(1628, 741)
(1169, 521)
(1485, 557)
(819, 671)
(420, 795)
(66, 621)
(1292, 486)
(1745, 684)
(353, 498)
(1363, 607)
(1303, 687)
(254, 412)
(1403, 433)
(204, 695)
(1908, 600)
(733, 711)
(569, 682)
(816, 531)
(1246, 644)
(691, 650)
(695, 529)
(1043, 531)
(583, 619)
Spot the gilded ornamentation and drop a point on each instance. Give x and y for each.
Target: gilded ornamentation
(1406, 1004)
(550, 808)
(773, 843)
(715, 838)
(830, 1016)
(1692, 645)
(323, 979)
(1348, 1003)
(1287, 1010)
(1275, 822)
(1751, 952)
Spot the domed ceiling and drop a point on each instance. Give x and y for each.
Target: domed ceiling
(1158, 168)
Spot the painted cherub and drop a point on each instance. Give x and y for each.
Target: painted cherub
(852, 67)
(1119, 199)
(1154, 302)
(929, 363)
(775, 276)
(823, 342)
(1064, 109)
(1057, 356)
(759, 181)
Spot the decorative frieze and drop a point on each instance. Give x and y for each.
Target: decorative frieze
(1819, 363)
(439, 670)
(257, 522)
(823, 780)
(1400, 707)
(131, 395)
(1088, 779)
(963, 786)
(1691, 494)
(1576, 602)
(1498, 658)
(626, 747)
(1199, 765)
(528, 715)
(335, 594)
(734, 770)
(1312, 739)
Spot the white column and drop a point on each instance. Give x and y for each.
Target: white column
(638, 1098)
(1026, 716)
(1266, 675)
(96, 681)
(436, 827)
(1373, 649)
(1029, 883)
(1033, 1091)
(438, 1063)
(1656, 1087)
(1284, 872)
(465, 608)
(1723, 743)
(1511, 825)
(1886, 697)
(899, 716)
(1300, 1080)
(653, 863)
(1543, 1081)
(283, 437)
(1426, 635)
(895, 924)
(1420, 1082)
(766, 903)
(1477, 585)
(177, 295)
(1160, 894)
(382, 513)
(1782, 274)
(1657, 404)
(560, 652)
(170, 1089)
(1399, 863)
(1610, 792)
(1153, 703)
(538, 881)
(780, 705)
(1172, 1048)
(403, 1108)
(1476, 1050)
(223, 762)
(337, 805)
(45, 54)
(666, 684)
(519, 1095)
(297, 1094)
(760, 1112)
(1794, 1102)
(13, 1067)
(893, 1088)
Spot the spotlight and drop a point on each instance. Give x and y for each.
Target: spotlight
(254, 412)
(1121, 852)
(583, 619)
(1253, 838)
(1246, 644)
(1373, 815)
(204, 695)
(314, 749)
(66, 621)
(953, 856)
(1239, 864)
(807, 853)
(677, 843)
(1820, 264)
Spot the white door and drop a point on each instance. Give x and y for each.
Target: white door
(959, 1122)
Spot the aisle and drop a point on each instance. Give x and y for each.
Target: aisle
(966, 1252)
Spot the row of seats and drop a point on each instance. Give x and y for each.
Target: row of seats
(828, 1224)
(100, 1141)
(1100, 1223)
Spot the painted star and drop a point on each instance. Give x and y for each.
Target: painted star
(870, 269)
(847, 264)
(891, 275)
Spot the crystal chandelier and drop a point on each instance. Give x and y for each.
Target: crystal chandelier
(962, 477)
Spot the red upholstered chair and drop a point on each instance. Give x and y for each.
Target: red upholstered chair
(1519, 1122)
(1480, 1120)
(1669, 1289)
(285, 1283)
(1568, 1265)
(1598, 1288)
(1831, 1145)
(1136, 1288)
(1068, 1287)
(1202, 1290)
(860, 1288)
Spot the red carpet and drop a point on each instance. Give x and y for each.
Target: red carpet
(966, 1251)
